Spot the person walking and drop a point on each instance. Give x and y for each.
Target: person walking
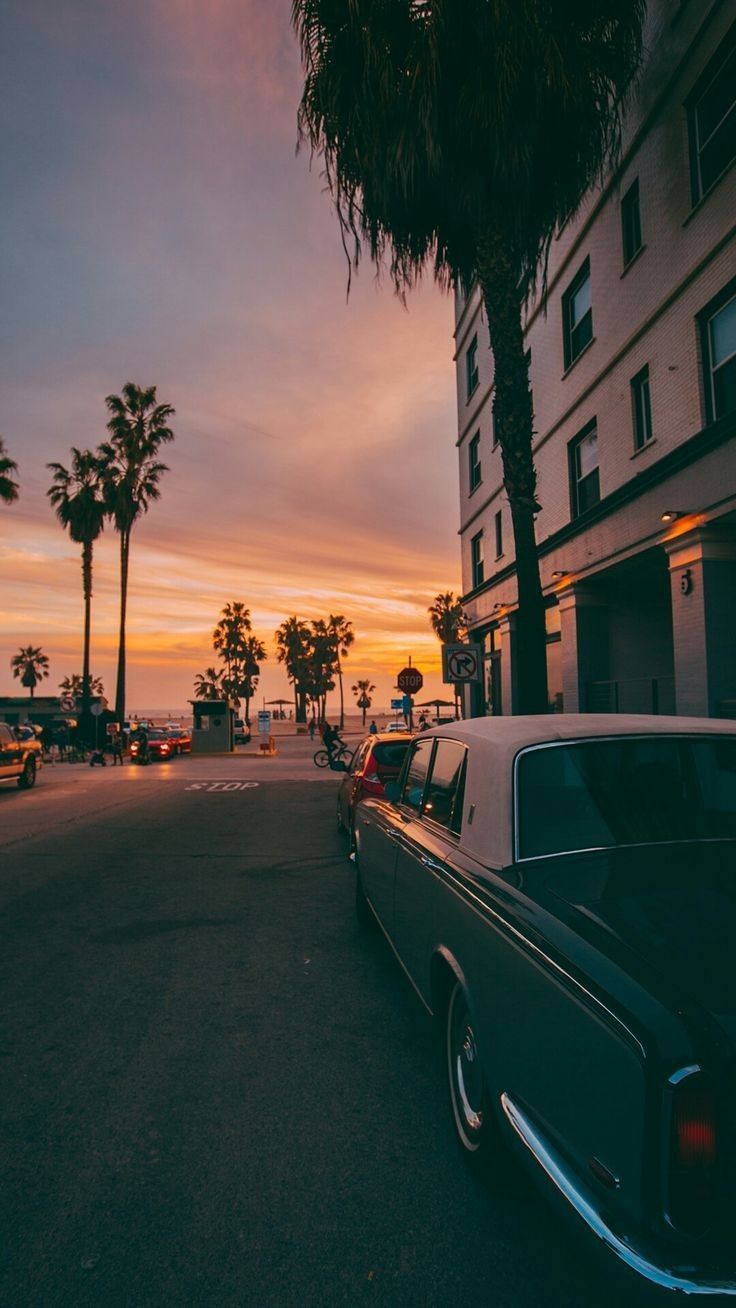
(116, 747)
(373, 729)
(312, 727)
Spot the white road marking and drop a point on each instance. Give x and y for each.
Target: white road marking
(223, 785)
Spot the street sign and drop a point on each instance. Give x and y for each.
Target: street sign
(264, 722)
(461, 663)
(410, 680)
(397, 705)
(96, 710)
(407, 705)
(67, 703)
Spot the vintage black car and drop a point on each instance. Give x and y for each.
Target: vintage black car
(561, 892)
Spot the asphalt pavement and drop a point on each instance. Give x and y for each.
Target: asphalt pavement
(218, 1089)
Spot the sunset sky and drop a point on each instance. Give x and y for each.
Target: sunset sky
(157, 227)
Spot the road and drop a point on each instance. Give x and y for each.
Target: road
(218, 1089)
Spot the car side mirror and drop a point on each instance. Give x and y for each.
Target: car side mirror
(392, 791)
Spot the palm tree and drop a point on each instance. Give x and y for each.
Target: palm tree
(343, 635)
(208, 684)
(449, 623)
(131, 474)
(229, 636)
(322, 664)
(31, 665)
(293, 649)
(460, 137)
(447, 619)
(74, 685)
(8, 487)
(78, 499)
(254, 654)
(363, 691)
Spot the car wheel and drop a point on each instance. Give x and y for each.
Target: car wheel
(468, 1093)
(27, 778)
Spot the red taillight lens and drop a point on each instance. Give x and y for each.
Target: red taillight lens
(693, 1153)
(371, 784)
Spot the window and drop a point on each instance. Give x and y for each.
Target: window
(631, 222)
(476, 559)
(498, 526)
(474, 465)
(718, 329)
(472, 375)
(444, 793)
(641, 408)
(577, 315)
(416, 775)
(584, 479)
(713, 122)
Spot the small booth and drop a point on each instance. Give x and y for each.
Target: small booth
(213, 727)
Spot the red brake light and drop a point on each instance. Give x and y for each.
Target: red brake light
(693, 1150)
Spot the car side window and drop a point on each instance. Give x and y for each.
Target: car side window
(358, 757)
(442, 791)
(5, 735)
(416, 775)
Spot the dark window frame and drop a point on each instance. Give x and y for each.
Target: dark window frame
(475, 466)
(418, 746)
(448, 828)
(710, 75)
(472, 371)
(631, 231)
(705, 318)
(571, 350)
(577, 507)
(498, 532)
(640, 388)
(477, 564)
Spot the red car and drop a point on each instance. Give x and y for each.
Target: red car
(159, 744)
(377, 759)
(181, 739)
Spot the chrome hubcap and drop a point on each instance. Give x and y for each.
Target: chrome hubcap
(469, 1080)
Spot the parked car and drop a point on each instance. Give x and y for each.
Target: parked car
(20, 756)
(395, 727)
(561, 891)
(160, 746)
(180, 737)
(377, 759)
(31, 737)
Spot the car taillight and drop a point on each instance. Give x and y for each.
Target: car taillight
(692, 1153)
(371, 784)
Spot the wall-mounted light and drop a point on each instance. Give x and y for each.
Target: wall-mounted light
(559, 573)
(671, 515)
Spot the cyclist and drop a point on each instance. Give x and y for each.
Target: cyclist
(332, 741)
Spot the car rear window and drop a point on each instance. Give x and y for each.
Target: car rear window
(596, 794)
(390, 755)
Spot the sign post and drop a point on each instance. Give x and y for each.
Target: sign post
(67, 703)
(461, 664)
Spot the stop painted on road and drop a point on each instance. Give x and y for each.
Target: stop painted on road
(229, 786)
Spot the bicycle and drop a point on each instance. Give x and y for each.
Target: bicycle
(342, 754)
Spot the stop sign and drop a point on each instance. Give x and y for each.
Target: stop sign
(410, 680)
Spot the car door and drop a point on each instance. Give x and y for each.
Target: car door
(10, 752)
(425, 852)
(397, 829)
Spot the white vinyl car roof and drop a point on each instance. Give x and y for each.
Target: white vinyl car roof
(493, 744)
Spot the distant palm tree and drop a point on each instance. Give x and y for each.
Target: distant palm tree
(254, 654)
(293, 649)
(31, 665)
(77, 497)
(343, 635)
(8, 487)
(447, 618)
(229, 636)
(208, 684)
(131, 474)
(459, 137)
(74, 685)
(363, 691)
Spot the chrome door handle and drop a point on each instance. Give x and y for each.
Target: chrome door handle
(430, 863)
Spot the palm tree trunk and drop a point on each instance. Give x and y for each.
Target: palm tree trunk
(120, 686)
(512, 409)
(87, 590)
(342, 706)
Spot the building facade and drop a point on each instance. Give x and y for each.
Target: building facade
(632, 359)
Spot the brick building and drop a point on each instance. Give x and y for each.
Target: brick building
(633, 375)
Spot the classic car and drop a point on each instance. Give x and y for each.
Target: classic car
(20, 757)
(180, 738)
(561, 892)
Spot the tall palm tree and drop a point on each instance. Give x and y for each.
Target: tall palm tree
(293, 649)
(343, 635)
(363, 691)
(228, 638)
(447, 618)
(208, 684)
(31, 665)
(322, 664)
(8, 487)
(459, 137)
(253, 655)
(80, 507)
(131, 473)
